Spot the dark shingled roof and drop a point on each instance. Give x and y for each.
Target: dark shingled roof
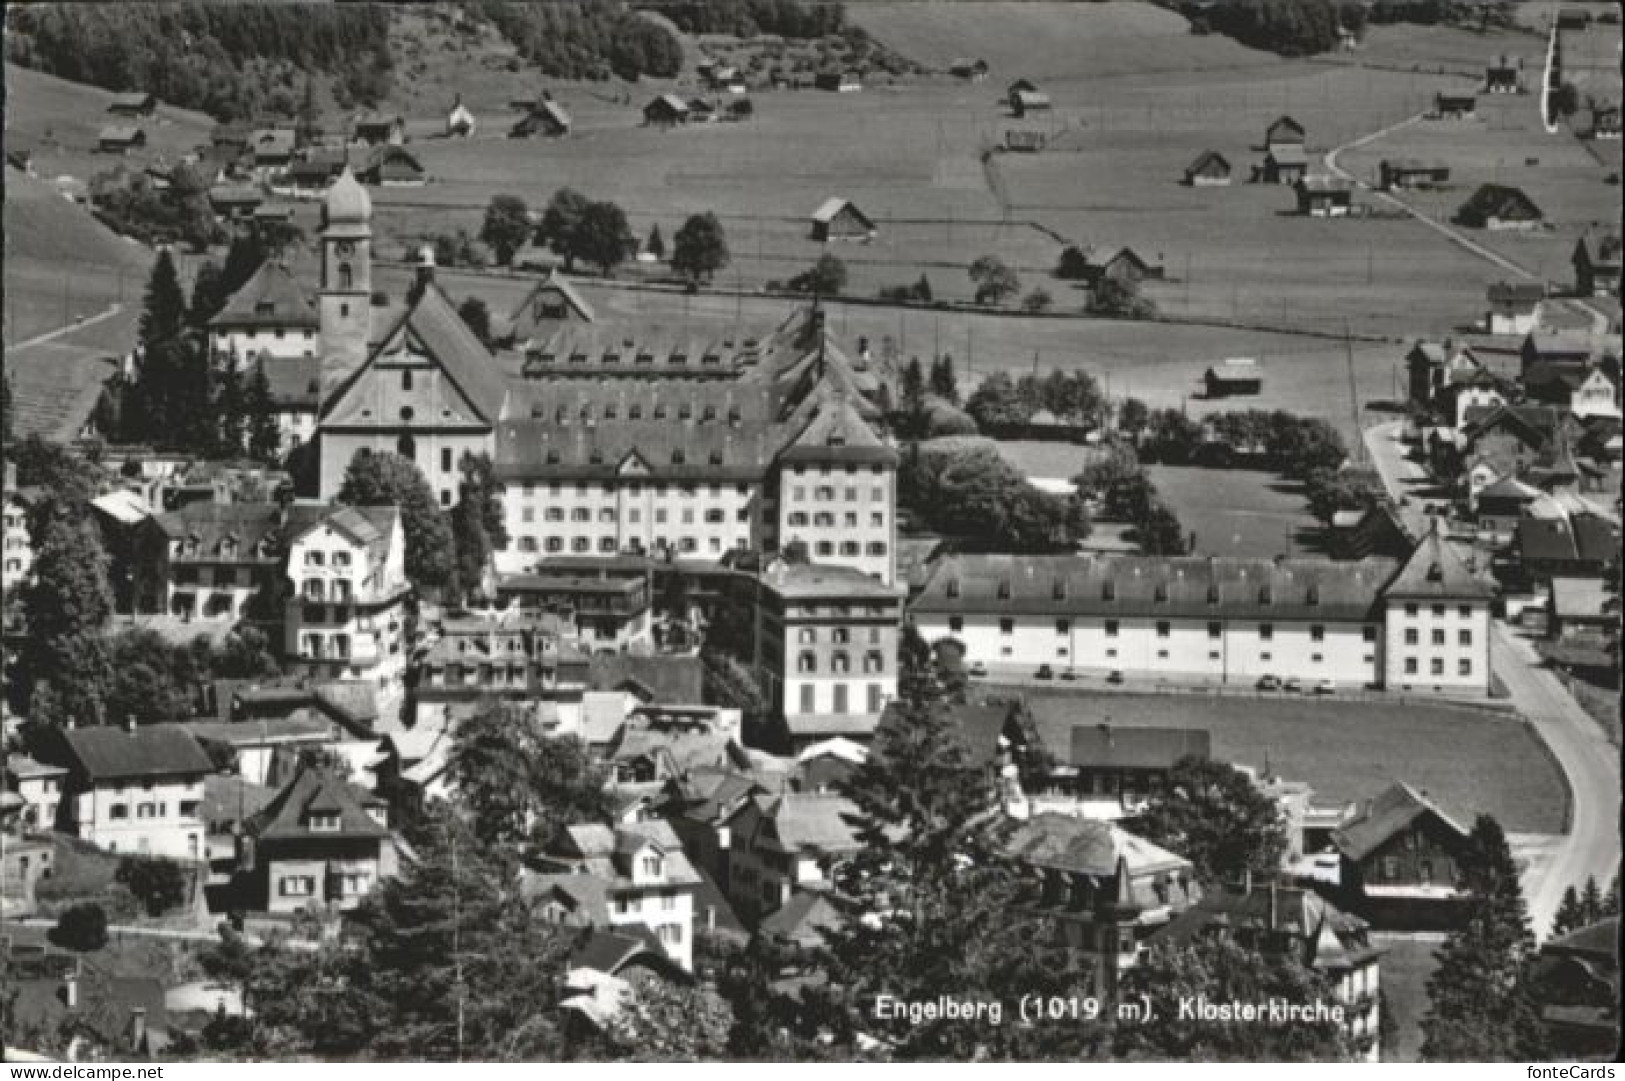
(295, 382)
(286, 817)
(803, 919)
(838, 433)
(273, 297)
(1083, 846)
(1384, 817)
(1600, 939)
(1330, 939)
(1590, 539)
(111, 753)
(1435, 570)
(666, 680)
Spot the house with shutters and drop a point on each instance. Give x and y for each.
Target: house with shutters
(321, 844)
(130, 789)
(1514, 307)
(345, 616)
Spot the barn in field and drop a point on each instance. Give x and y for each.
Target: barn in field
(121, 139)
(1210, 169)
(546, 118)
(1285, 131)
(1412, 173)
(1325, 196)
(138, 104)
(840, 219)
(1454, 105)
(1500, 207)
(666, 111)
(1234, 376)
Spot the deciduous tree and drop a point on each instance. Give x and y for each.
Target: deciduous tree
(700, 248)
(506, 226)
(1212, 814)
(378, 479)
(995, 281)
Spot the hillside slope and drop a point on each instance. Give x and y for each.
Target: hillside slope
(1041, 40)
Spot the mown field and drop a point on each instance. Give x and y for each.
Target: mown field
(1238, 512)
(1470, 762)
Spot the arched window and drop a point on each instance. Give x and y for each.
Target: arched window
(842, 663)
(807, 662)
(346, 278)
(406, 446)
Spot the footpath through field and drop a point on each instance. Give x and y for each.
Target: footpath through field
(1591, 846)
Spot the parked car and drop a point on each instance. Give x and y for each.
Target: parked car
(1045, 672)
(1116, 676)
(1269, 683)
(1325, 686)
(1069, 674)
(978, 669)
(1291, 685)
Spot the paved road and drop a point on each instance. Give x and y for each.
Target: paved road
(1592, 845)
(1591, 763)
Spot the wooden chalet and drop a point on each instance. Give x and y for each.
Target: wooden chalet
(1597, 264)
(120, 139)
(1232, 377)
(1285, 131)
(137, 104)
(1454, 105)
(1400, 173)
(546, 118)
(1503, 76)
(392, 166)
(1325, 196)
(1500, 207)
(840, 219)
(1284, 164)
(1210, 169)
(666, 111)
(373, 130)
(1399, 858)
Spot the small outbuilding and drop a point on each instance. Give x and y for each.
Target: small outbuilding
(840, 219)
(1401, 173)
(1457, 105)
(1503, 76)
(972, 69)
(1285, 131)
(1234, 376)
(460, 122)
(1500, 207)
(1325, 196)
(1027, 102)
(138, 104)
(841, 82)
(1210, 169)
(1285, 164)
(666, 111)
(120, 139)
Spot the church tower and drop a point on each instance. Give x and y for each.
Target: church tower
(345, 301)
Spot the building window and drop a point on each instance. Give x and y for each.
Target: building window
(1063, 626)
(1436, 666)
(1464, 667)
(956, 624)
(1369, 634)
(807, 662)
(1438, 611)
(1007, 626)
(1411, 610)
(1410, 666)
(653, 866)
(118, 810)
(1215, 630)
(874, 661)
(1111, 628)
(840, 664)
(1266, 632)
(1466, 611)
(1317, 633)
(318, 822)
(445, 459)
(1411, 636)
(807, 635)
(1464, 637)
(297, 886)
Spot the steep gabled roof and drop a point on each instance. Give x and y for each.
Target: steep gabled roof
(434, 324)
(1385, 816)
(838, 432)
(1084, 846)
(273, 297)
(831, 208)
(1435, 570)
(313, 790)
(1207, 158)
(566, 288)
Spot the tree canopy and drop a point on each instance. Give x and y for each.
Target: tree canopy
(1212, 814)
(700, 248)
(379, 479)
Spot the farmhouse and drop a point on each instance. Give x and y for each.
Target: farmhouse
(840, 219)
(1597, 264)
(375, 130)
(551, 303)
(391, 166)
(972, 69)
(311, 174)
(460, 122)
(1234, 376)
(1400, 173)
(1576, 985)
(1514, 307)
(1232, 620)
(1123, 265)
(1325, 196)
(120, 138)
(1503, 76)
(134, 104)
(1399, 859)
(1025, 141)
(1286, 164)
(665, 111)
(235, 202)
(1285, 131)
(842, 82)
(1210, 169)
(1605, 120)
(546, 118)
(1024, 102)
(1497, 207)
(1454, 105)
(272, 149)
(1100, 771)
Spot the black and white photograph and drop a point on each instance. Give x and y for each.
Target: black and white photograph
(796, 531)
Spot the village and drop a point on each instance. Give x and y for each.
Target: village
(458, 508)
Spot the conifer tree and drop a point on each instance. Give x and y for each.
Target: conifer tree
(1569, 913)
(230, 411)
(66, 605)
(1590, 902)
(944, 383)
(163, 316)
(264, 437)
(1480, 1005)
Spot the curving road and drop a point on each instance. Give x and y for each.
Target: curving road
(1589, 762)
